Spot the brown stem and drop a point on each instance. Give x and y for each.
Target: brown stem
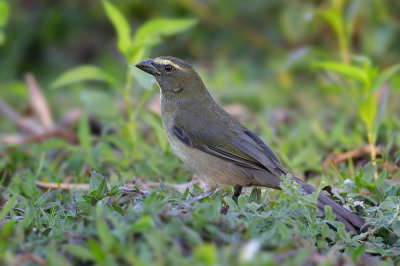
(27, 125)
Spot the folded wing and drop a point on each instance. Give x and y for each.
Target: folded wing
(245, 148)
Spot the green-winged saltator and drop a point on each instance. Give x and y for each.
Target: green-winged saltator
(214, 145)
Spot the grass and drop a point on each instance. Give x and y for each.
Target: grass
(109, 226)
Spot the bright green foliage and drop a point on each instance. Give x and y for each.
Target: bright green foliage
(121, 26)
(4, 14)
(83, 73)
(108, 225)
(363, 82)
(149, 35)
(369, 110)
(370, 80)
(134, 49)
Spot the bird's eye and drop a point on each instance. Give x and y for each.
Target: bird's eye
(168, 68)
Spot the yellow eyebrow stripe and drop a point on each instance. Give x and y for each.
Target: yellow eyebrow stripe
(167, 62)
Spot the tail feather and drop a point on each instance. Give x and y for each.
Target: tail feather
(352, 221)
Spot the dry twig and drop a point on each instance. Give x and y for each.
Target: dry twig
(27, 125)
(64, 134)
(28, 257)
(353, 154)
(128, 188)
(35, 131)
(63, 186)
(38, 102)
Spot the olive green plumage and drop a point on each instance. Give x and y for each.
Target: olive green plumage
(214, 145)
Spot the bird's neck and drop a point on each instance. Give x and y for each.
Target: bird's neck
(173, 105)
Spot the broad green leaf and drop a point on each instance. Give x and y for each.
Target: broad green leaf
(2, 37)
(83, 73)
(283, 230)
(84, 135)
(101, 189)
(396, 227)
(80, 251)
(120, 180)
(84, 204)
(28, 217)
(333, 17)
(4, 13)
(151, 32)
(8, 206)
(120, 24)
(7, 230)
(358, 177)
(381, 111)
(358, 252)
(345, 70)
(264, 196)
(206, 254)
(118, 209)
(384, 76)
(381, 178)
(97, 252)
(328, 213)
(95, 181)
(242, 202)
(368, 110)
(368, 175)
(42, 199)
(231, 203)
(143, 224)
(139, 53)
(255, 195)
(104, 234)
(27, 191)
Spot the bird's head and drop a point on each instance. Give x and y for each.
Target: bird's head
(174, 76)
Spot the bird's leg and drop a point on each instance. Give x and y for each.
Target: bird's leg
(237, 190)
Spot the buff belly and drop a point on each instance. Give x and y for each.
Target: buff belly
(212, 170)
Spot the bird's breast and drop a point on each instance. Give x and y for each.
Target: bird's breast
(212, 170)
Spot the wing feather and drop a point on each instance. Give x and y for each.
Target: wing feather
(246, 149)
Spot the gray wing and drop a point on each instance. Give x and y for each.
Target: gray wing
(244, 149)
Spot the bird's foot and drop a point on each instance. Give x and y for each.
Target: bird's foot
(237, 190)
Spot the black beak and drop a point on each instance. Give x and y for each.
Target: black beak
(148, 67)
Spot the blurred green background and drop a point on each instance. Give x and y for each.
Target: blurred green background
(314, 79)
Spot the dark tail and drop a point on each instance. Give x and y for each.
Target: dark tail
(351, 221)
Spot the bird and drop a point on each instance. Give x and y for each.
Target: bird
(214, 145)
